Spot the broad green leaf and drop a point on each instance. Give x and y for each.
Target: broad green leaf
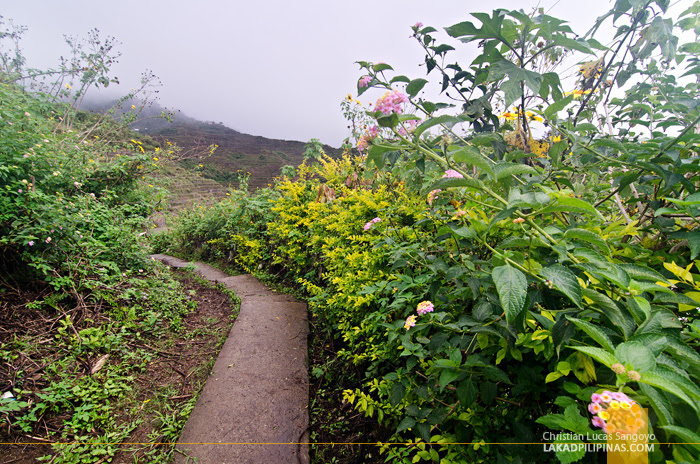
(448, 376)
(603, 271)
(550, 81)
(637, 355)
(656, 342)
(571, 204)
(516, 74)
(423, 429)
(415, 86)
(682, 352)
(661, 318)
(381, 67)
(466, 393)
(557, 106)
(686, 435)
(445, 119)
(586, 127)
(473, 157)
(552, 376)
(512, 91)
(608, 308)
(406, 423)
(490, 29)
(375, 154)
(661, 405)
(590, 237)
(442, 48)
(400, 79)
(640, 272)
(677, 298)
(397, 393)
(484, 140)
(390, 120)
(610, 143)
(595, 333)
(640, 308)
(511, 285)
(466, 232)
(686, 385)
(553, 421)
(563, 280)
(573, 44)
(655, 380)
(693, 238)
(504, 170)
(598, 354)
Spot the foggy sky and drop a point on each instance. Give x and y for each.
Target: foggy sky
(275, 68)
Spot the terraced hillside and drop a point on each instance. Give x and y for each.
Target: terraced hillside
(261, 157)
(237, 153)
(187, 189)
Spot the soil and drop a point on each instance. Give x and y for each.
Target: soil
(182, 368)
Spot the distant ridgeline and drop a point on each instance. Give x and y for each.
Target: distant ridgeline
(237, 153)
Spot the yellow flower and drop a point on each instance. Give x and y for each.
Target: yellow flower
(133, 107)
(68, 86)
(155, 159)
(532, 116)
(604, 415)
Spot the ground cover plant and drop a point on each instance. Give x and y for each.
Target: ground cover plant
(515, 261)
(99, 344)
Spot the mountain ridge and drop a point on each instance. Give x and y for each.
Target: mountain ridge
(237, 154)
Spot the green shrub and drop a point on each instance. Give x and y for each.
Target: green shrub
(509, 280)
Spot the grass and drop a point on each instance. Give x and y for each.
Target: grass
(162, 335)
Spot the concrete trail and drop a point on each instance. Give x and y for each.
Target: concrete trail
(254, 406)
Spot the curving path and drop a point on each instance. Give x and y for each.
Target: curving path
(254, 406)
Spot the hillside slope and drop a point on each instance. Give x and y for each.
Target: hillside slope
(237, 152)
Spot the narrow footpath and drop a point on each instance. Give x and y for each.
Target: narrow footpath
(254, 406)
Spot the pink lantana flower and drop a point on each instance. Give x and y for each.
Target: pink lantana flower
(616, 412)
(369, 225)
(425, 307)
(368, 136)
(364, 81)
(452, 173)
(408, 127)
(598, 422)
(391, 102)
(410, 322)
(433, 195)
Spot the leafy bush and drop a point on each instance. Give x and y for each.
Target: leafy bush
(497, 273)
